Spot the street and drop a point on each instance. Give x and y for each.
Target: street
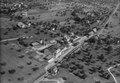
(72, 49)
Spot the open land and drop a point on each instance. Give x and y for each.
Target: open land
(60, 41)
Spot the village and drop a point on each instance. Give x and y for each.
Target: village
(60, 41)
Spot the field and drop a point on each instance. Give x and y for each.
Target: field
(20, 67)
(5, 23)
(17, 67)
(93, 50)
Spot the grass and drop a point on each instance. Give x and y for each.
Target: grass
(6, 23)
(23, 70)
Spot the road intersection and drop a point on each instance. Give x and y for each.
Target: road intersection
(72, 49)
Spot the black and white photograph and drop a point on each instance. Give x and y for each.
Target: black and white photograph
(59, 41)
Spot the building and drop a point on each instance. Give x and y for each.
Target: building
(51, 60)
(21, 25)
(35, 43)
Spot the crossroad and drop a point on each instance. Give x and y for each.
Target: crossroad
(81, 41)
(70, 50)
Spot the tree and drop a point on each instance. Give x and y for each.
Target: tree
(22, 42)
(65, 65)
(64, 78)
(15, 28)
(65, 30)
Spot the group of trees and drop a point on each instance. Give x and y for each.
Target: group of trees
(22, 42)
(76, 68)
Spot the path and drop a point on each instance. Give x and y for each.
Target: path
(111, 72)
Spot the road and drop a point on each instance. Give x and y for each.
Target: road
(108, 19)
(71, 49)
(40, 78)
(101, 32)
(111, 72)
(55, 80)
(13, 39)
(41, 47)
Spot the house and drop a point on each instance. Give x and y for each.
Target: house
(51, 60)
(21, 25)
(35, 43)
